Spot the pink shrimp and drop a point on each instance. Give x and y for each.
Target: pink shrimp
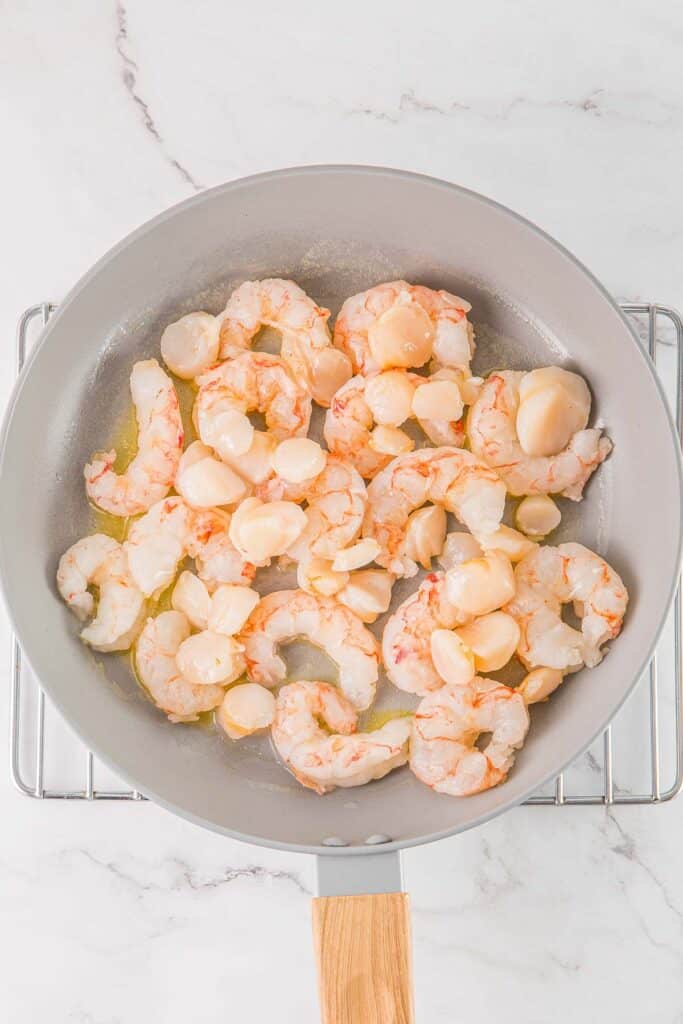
(150, 475)
(492, 431)
(449, 337)
(306, 343)
(446, 726)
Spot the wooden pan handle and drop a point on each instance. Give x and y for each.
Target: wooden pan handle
(362, 946)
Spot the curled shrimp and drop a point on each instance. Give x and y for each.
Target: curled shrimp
(450, 477)
(322, 761)
(78, 567)
(155, 662)
(446, 726)
(100, 561)
(349, 423)
(492, 431)
(288, 614)
(251, 382)
(151, 473)
(306, 342)
(546, 579)
(450, 338)
(407, 634)
(171, 530)
(337, 498)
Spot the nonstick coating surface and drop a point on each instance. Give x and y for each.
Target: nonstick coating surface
(335, 230)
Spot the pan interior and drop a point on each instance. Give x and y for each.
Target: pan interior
(335, 231)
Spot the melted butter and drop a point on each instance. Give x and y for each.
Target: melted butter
(162, 603)
(373, 720)
(129, 655)
(187, 392)
(125, 439)
(205, 721)
(105, 522)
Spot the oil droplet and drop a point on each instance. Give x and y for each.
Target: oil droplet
(187, 392)
(162, 603)
(373, 720)
(105, 522)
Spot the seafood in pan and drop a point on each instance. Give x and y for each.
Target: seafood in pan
(218, 507)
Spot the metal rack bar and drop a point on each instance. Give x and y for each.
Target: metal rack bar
(610, 794)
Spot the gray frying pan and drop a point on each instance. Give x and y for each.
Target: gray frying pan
(335, 230)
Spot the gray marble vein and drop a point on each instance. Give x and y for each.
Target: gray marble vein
(626, 847)
(129, 77)
(638, 109)
(185, 877)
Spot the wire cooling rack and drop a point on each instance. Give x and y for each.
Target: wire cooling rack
(638, 760)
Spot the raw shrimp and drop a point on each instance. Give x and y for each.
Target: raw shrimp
(451, 477)
(443, 752)
(337, 499)
(288, 614)
(349, 422)
(170, 530)
(546, 579)
(155, 662)
(345, 758)
(150, 475)
(100, 561)
(77, 569)
(251, 382)
(156, 544)
(491, 428)
(452, 338)
(216, 557)
(306, 343)
(407, 634)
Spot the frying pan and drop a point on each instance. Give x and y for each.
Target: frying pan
(335, 230)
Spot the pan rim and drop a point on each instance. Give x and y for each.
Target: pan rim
(314, 170)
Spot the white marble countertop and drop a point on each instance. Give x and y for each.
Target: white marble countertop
(571, 115)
